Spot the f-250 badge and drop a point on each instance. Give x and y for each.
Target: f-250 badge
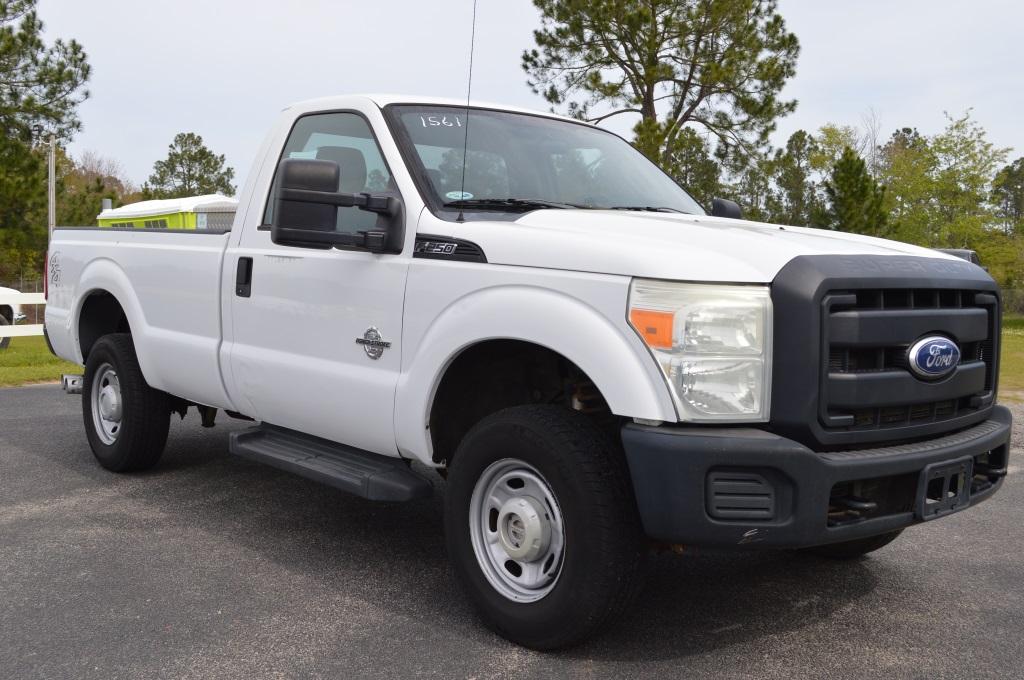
(373, 343)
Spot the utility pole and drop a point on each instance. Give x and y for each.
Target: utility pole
(52, 185)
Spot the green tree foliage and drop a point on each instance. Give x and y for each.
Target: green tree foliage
(190, 169)
(751, 185)
(22, 208)
(943, 191)
(718, 65)
(84, 183)
(40, 89)
(796, 199)
(940, 187)
(693, 165)
(830, 143)
(1008, 197)
(781, 187)
(81, 186)
(907, 167)
(40, 85)
(966, 164)
(856, 201)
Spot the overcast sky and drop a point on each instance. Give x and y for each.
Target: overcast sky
(225, 68)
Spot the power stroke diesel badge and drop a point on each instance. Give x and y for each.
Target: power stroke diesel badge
(373, 343)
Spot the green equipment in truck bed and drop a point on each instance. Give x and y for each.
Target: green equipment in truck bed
(211, 211)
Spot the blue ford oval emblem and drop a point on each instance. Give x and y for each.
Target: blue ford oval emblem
(933, 357)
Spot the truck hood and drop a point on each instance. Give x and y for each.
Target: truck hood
(663, 245)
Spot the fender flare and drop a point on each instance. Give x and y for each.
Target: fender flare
(610, 354)
(106, 276)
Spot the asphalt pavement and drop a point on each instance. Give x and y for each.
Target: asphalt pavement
(210, 566)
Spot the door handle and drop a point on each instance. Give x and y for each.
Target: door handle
(243, 277)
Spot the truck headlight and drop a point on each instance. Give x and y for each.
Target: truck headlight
(713, 344)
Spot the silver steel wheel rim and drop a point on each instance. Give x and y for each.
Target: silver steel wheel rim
(517, 530)
(107, 405)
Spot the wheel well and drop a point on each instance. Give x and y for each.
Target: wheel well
(497, 374)
(7, 312)
(101, 315)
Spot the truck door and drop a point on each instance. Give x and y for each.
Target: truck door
(316, 332)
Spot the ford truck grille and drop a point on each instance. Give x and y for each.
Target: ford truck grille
(841, 378)
(868, 384)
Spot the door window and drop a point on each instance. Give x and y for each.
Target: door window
(346, 139)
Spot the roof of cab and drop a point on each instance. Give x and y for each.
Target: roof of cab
(383, 100)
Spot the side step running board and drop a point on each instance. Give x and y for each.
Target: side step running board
(364, 474)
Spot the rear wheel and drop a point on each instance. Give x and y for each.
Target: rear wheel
(849, 550)
(541, 525)
(126, 420)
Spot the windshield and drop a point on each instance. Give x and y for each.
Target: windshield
(518, 162)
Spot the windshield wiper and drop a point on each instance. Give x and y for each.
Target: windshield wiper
(647, 208)
(527, 204)
(506, 204)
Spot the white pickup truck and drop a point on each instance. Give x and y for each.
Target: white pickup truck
(595, 364)
(10, 313)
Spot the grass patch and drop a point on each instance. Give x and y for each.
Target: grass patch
(1011, 372)
(27, 360)
(1013, 323)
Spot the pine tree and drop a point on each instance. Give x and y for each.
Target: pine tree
(693, 166)
(190, 169)
(796, 199)
(40, 89)
(40, 85)
(855, 198)
(718, 65)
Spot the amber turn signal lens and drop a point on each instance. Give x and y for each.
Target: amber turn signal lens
(654, 327)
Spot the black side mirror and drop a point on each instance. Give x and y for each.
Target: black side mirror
(963, 253)
(721, 207)
(306, 210)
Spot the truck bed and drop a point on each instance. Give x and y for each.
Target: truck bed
(167, 282)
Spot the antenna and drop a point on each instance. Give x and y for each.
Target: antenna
(465, 140)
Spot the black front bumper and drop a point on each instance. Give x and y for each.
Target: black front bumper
(748, 487)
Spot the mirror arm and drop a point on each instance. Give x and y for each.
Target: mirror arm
(371, 240)
(384, 205)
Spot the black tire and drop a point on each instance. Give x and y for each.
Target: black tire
(4, 342)
(851, 550)
(146, 412)
(604, 542)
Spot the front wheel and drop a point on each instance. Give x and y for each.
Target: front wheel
(541, 525)
(126, 420)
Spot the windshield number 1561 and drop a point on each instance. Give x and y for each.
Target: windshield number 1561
(440, 121)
